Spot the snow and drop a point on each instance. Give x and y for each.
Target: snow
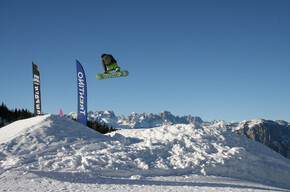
(55, 153)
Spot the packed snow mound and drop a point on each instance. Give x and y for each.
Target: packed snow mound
(57, 144)
(208, 150)
(38, 139)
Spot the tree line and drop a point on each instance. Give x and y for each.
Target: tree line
(102, 128)
(8, 116)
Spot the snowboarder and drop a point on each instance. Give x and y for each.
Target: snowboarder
(109, 63)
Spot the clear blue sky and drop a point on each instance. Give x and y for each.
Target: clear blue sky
(226, 59)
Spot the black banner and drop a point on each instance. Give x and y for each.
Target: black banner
(36, 88)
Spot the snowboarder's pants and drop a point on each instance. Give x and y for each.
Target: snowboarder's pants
(112, 67)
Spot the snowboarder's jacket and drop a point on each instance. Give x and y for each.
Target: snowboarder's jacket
(107, 60)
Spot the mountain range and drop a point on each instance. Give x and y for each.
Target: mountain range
(135, 120)
(274, 134)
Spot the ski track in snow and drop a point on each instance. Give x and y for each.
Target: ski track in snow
(51, 152)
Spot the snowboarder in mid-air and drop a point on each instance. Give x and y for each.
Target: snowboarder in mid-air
(109, 63)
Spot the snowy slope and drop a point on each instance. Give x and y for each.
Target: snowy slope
(68, 153)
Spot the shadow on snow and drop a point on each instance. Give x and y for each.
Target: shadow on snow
(87, 178)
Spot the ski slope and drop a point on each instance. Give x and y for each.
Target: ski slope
(55, 153)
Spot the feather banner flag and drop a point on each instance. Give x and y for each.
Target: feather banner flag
(82, 94)
(36, 89)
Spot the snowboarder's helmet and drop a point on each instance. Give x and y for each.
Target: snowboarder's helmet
(104, 55)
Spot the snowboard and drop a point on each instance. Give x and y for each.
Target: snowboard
(112, 75)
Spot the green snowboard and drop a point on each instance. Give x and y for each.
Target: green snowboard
(112, 75)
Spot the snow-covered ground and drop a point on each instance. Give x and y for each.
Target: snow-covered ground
(55, 153)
